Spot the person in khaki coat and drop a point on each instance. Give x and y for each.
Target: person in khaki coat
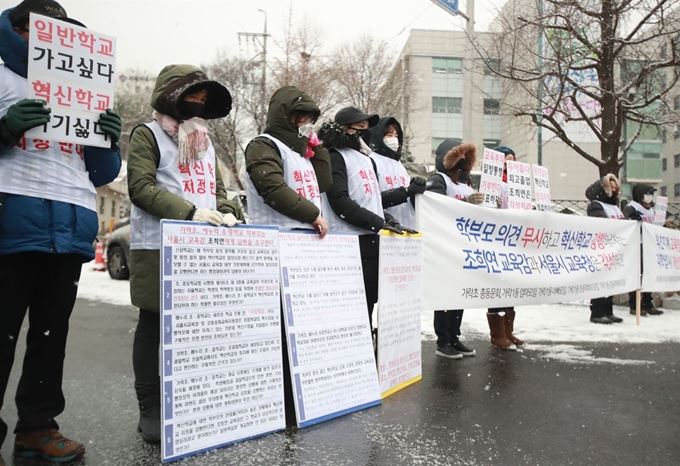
(172, 174)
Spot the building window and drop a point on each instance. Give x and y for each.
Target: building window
(664, 191)
(676, 132)
(676, 160)
(492, 143)
(676, 102)
(113, 208)
(492, 65)
(101, 205)
(664, 164)
(447, 104)
(491, 106)
(447, 65)
(676, 189)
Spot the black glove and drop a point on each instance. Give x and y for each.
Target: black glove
(22, 116)
(331, 134)
(391, 224)
(417, 185)
(111, 124)
(409, 230)
(635, 215)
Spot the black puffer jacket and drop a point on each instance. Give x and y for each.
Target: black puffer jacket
(639, 191)
(375, 136)
(444, 158)
(600, 191)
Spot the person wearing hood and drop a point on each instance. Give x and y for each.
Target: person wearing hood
(502, 319)
(453, 163)
(287, 166)
(172, 174)
(641, 208)
(386, 141)
(355, 200)
(48, 224)
(603, 195)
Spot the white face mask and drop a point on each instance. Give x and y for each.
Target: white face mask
(648, 198)
(392, 143)
(306, 130)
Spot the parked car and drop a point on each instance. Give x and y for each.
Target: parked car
(118, 252)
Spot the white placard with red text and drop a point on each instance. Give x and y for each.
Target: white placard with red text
(660, 258)
(541, 187)
(519, 185)
(73, 70)
(660, 209)
(490, 184)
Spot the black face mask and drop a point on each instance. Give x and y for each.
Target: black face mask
(460, 164)
(192, 109)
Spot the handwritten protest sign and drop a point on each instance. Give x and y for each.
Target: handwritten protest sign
(492, 176)
(519, 185)
(541, 187)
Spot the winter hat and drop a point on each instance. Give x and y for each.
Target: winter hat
(22, 11)
(467, 153)
(349, 115)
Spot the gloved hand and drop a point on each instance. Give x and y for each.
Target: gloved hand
(391, 224)
(475, 198)
(409, 230)
(635, 215)
(417, 185)
(230, 220)
(24, 115)
(111, 124)
(331, 134)
(312, 142)
(212, 217)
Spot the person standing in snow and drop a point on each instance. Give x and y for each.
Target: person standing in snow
(453, 163)
(641, 208)
(172, 174)
(603, 195)
(48, 223)
(386, 141)
(502, 319)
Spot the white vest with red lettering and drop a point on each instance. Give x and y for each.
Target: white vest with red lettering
(458, 191)
(40, 168)
(392, 174)
(363, 188)
(646, 214)
(299, 175)
(612, 211)
(196, 182)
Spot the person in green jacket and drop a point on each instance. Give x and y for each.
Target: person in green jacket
(172, 174)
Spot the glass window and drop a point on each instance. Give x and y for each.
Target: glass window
(491, 106)
(664, 164)
(491, 143)
(491, 65)
(447, 65)
(676, 189)
(676, 160)
(664, 191)
(676, 102)
(447, 104)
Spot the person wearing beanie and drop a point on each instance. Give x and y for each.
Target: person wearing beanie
(603, 195)
(502, 319)
(48, 225)
(453, 162)
(172, 174)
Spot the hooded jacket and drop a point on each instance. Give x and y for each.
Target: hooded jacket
(600, 191)
(639, 191)
(265, 165)
(447, 160)
(143, 159)
(377, 134)
(33, 224)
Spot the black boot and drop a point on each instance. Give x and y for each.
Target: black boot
(149, 398)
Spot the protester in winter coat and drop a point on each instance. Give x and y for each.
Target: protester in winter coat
(502, 319)
(604, 203)
(641, 208)
(386, 141)
(453, 164)
(172, 174)
(354, 200)
(48, 223)
(287, 167)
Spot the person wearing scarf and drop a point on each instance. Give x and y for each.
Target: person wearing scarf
(172, 174)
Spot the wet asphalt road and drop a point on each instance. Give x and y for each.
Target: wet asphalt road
(494, 409)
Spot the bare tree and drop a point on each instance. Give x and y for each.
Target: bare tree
(133, 103)
(593, 63)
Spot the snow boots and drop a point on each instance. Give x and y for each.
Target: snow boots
(509, 326)
(498, 333)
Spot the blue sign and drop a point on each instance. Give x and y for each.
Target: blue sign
(449, 5)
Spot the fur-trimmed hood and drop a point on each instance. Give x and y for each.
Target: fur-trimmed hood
(466, 152)
(603, 190)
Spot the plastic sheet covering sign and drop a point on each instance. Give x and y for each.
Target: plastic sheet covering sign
(73, 69)
(541, 187)
(221, 352)
(661, 258)
(330, 350)
(479, 257)
(519, 185)
(399, 307)
(491, 181)
(660, 210)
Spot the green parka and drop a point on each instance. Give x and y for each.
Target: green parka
(172, 84)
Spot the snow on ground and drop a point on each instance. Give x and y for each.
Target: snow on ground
(565, 324)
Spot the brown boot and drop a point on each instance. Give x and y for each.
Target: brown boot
(497, 330)
(509, 326)
(47, 444)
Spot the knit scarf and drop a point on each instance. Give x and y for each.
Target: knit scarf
(191, 136)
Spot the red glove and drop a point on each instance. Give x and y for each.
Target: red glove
(312, 142)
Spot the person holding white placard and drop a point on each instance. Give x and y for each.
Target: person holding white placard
(453, 163)
(604, 203)
(172, 174)
(641, 208)
(48, 223)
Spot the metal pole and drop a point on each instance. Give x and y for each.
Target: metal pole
(468, 76)
(539, 129)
